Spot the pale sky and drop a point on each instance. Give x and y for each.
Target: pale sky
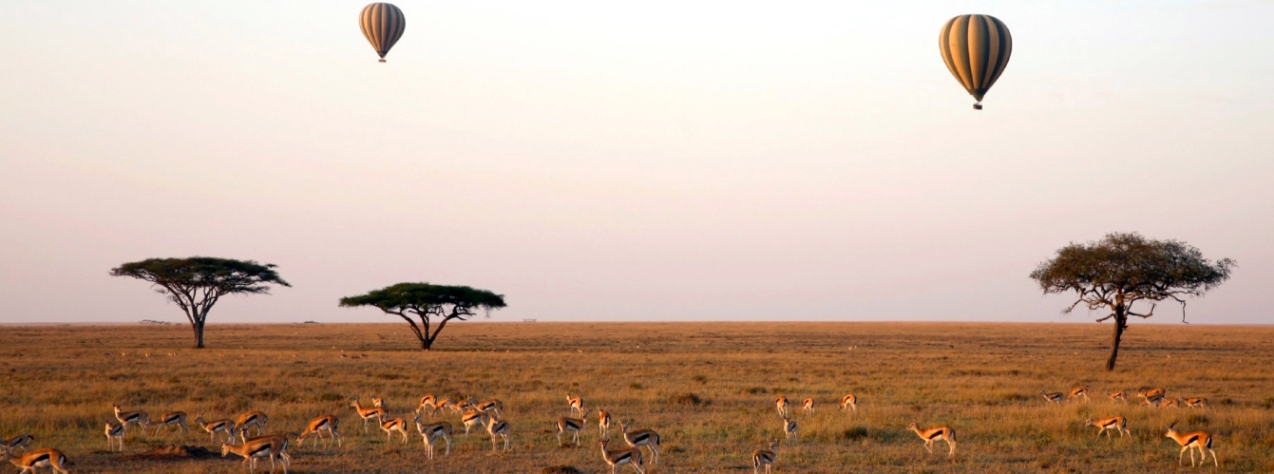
(627, 161)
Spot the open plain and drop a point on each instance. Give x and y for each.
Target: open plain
(707, 388)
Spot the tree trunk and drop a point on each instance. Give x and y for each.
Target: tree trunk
(199, 334)
(425, 343)
(1121, 322)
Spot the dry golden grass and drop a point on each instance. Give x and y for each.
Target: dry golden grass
(982, 379)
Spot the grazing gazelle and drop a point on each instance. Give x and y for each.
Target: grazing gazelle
(114, 431)
(368, 414)
(1118, 396)
(1152, 395)
(249, 420)
(498, 428)
(391, 425)
(473, 417)
(849, 402)
(943, 432)
(789, 429)
(619, 457)
(781, 405)
(252, 449)
(20, 441)
(1053, 397)
(1193, 440)
(807, 406)
(317, 426)
(1195, 402)
(44, 457)
(217, 426)
(577, 404)
(138, 418)
(571, 425)
(430, 402)
(1169, 403)
(1078, 392)
(445, 404)
(431, 432)
(492, 406)
(638, 438)
(764, 457)
(1117, 423)
(603, 423)
(176, 418)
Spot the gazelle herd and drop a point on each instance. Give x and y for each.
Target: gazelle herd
(487, 416)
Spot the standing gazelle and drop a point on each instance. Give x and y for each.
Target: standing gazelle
(1193, 440)
(1078, 392)
(849, 402)
(114, 431)
(1195, 402)
(789, 430)
(431, 432)
(1053, 397)
(126, 418)
(368, 414)
(1117, 423)
(576, 403)
(572, 426)
(764, 457)
(247, 421)
(394, 424)
(942, 432)
(807, 406)
(176, 418)
(638, 438)
(1152, 396)
(19, 441)
(493, 406)
(603, 423)
(473, 417)
(629, 456)
(498, 428)
(781, 405)
(252, 449)
(44, 457)
(317, 426)
(217, 426)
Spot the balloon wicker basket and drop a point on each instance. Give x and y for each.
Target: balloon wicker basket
(381, 60)
(976, 106)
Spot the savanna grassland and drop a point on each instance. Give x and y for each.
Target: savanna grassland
(708, 388)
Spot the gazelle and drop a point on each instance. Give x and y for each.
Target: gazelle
(431, 432)
(1195, 402)
(1117, 423)
(603, 423)
(629, 456)
(781, 404)
(217, 426)
(252, 449)
(317, 426)
(1053, 397)
(789, 430)
(473, 417)
(849, 402)
(638, 438)
(379, 402)
(114, 431)
(1119, 396)
(447, 403)
(1169, 403)
(1193, 440)
(1078, 392)
(430, 402)
(368, 414)
(391, 425)
(19, 441)
(572, 425)
(176, 418)
(576, 403)
(807, 406)
(942, 432)
(126, 418)
(492, 406)
(44, 457)
(764, 457)
(247, 421)
(1152, 395)
(498, 428)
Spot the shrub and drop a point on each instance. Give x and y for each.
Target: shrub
(687, 399)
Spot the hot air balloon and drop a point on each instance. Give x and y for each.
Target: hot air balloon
(382, 24)
(976, 48)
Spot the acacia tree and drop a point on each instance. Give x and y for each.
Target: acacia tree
(196, 283)
(1122, 270)
(429, 303)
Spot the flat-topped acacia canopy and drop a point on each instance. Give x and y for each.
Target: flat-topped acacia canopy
(426, 302)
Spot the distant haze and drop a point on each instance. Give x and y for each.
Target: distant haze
(641, 161)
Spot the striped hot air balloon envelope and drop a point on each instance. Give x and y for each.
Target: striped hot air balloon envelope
(976, 49)
(382, 24)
